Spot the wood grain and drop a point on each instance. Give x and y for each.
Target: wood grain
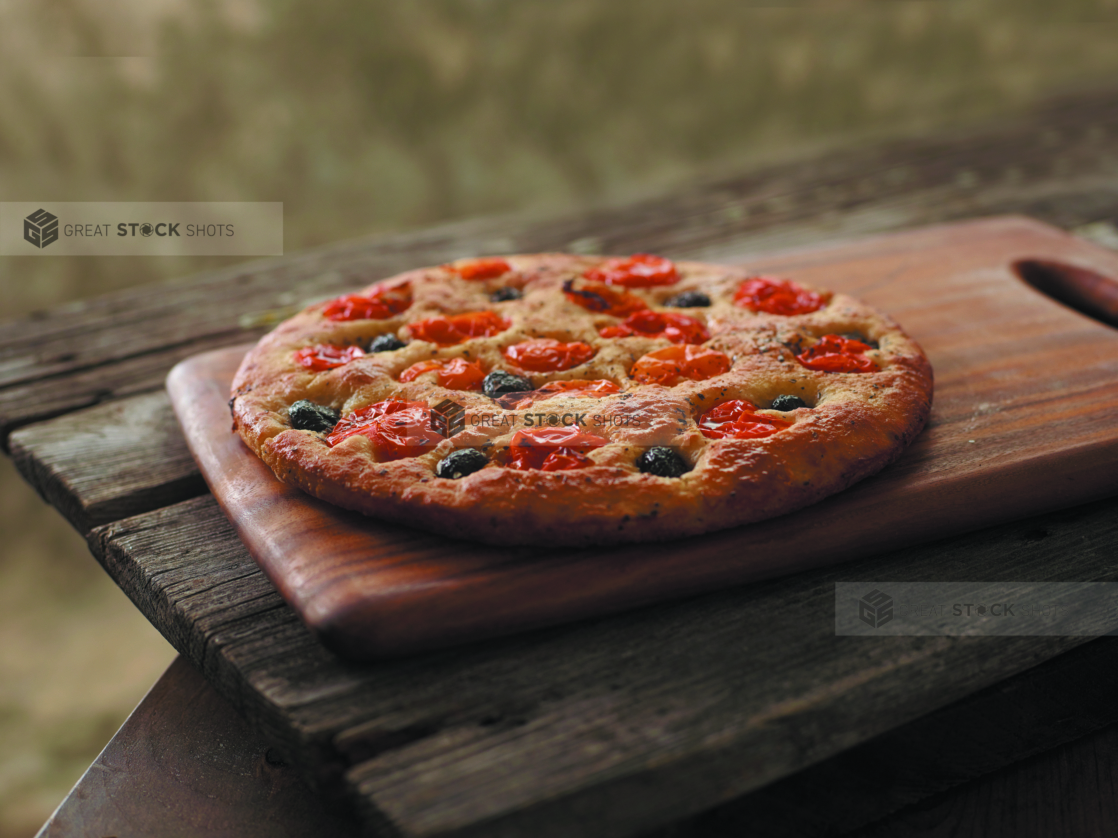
(608, 727)
(184, 751)
(1056, 163)
(1026, 391)
(136, 443)
(933, 758)
(1070, 791)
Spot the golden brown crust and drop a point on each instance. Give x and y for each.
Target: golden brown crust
(857, 422)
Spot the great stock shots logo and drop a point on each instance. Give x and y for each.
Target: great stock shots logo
(448, 418)
(875, 608)
(40, 228)
(141, 228)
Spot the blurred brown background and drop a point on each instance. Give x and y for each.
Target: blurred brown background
(370, 118)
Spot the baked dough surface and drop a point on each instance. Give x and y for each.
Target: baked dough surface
(854, 424)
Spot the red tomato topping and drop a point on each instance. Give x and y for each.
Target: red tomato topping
(447, 331)
(603, 299)
(327, 357)
(379, 305)
(456, 374)
(552, 449)
(478, 269)
(776, 296)
(583, 389)
(674, 364)
(415, 370)
(639, 271)
(564, 459)
(461, 374)
(678, 328)
(356, 422)
(738, 419)
(837, 354)
(397, 429)
(597, 388)
(548, 355)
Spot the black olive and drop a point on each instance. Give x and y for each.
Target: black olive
(689, 299)
(460, 463)
(308, 416)
(386, 343)
(503, 295)
(662, 461)
(858, 336)
(499, 382)
(788, 403)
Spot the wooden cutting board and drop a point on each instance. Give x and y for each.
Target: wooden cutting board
(1025, 420)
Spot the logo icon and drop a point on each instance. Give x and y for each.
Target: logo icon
(875, 609)
(40, 228)
(146, 230)
(448, 418)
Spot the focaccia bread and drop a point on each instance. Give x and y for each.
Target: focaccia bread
(565, 400)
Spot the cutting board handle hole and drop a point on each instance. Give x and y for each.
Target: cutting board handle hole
(1082, 289)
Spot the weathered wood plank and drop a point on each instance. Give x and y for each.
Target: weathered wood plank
(26, 403)
(184, 763)
(1072, 791)
(603, 728)
(1059, 163)
(109, 462)
(1058, 702)
(185, 751)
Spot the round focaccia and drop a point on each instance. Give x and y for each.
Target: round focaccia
(554, 399)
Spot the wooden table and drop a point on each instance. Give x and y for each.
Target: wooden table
(739, 710)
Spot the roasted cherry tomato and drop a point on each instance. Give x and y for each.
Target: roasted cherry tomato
(582, 389)
(447, 331)
(356, 422)
(548, 355)
(456, 374)
(415, 370)
(597, 388)
(552, 449)
(777, 296)
(602, 299)
(460, 374)
(327, 357)
(478, 269)
(642, 270)
(674, 364)
(678, 328)
(738, 419)
(382, 303)
(837, 354)
(397, 429)
(564, 459)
